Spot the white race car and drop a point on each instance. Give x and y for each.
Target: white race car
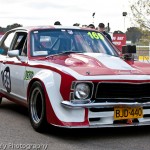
(73, 77)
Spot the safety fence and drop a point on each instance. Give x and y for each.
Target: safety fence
(143, 53)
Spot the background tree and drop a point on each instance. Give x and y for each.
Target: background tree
(3, 29)
(15, 25)
(141, 12)
(133, 34)
(9, 27)
(118, 32)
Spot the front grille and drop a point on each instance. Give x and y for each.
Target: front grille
(123, 91)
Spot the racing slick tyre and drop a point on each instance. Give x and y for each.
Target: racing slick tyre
(37, 107)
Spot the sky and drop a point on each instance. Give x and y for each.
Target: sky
(68, 12)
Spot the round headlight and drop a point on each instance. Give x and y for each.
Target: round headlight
(82, 91)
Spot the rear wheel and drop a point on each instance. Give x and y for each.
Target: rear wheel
(37, 107)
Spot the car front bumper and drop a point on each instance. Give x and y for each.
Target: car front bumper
(101, 115)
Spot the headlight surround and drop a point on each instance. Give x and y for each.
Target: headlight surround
(82, 91)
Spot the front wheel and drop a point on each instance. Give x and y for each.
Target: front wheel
(37, 107)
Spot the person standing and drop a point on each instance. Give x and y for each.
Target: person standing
(101, 28)
(91, 26)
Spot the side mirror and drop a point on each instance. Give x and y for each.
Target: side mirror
(13, 53)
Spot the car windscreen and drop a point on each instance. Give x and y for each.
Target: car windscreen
(60, 41)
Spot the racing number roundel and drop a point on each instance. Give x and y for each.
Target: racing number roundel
(6, 79)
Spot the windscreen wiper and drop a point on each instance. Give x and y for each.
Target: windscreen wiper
(63, 53)
(69, 52)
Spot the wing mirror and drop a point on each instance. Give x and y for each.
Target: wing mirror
(13, 53)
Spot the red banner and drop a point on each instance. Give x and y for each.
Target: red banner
(119, 40)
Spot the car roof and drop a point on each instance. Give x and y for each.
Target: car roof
(30, 28)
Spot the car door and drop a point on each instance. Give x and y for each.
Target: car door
(4, 46)
(13, 69)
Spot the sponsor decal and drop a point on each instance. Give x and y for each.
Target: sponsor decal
(6, 79)
(28, 75)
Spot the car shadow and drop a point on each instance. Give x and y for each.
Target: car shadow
(80, 133)
(14, 108)
(86, 133)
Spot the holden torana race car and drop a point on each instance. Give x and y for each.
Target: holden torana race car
(73, 77)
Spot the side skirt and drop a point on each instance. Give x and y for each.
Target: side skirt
(14, 98)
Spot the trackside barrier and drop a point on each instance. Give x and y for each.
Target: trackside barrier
(144, 58)
(143, 53)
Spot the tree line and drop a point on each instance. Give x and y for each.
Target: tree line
(9, 27)
(134, 34)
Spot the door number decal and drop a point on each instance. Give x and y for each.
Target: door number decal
(6, 79)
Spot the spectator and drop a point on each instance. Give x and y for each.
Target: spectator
(101, 28)
(76, 24)
(84, 26)
(91, 26)
(57, 23)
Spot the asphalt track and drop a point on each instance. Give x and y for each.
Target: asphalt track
(16, 133)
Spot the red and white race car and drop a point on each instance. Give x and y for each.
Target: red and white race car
(73, 77)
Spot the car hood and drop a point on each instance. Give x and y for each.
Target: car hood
(100, 64)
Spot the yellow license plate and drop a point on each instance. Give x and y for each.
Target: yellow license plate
(127, 113)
